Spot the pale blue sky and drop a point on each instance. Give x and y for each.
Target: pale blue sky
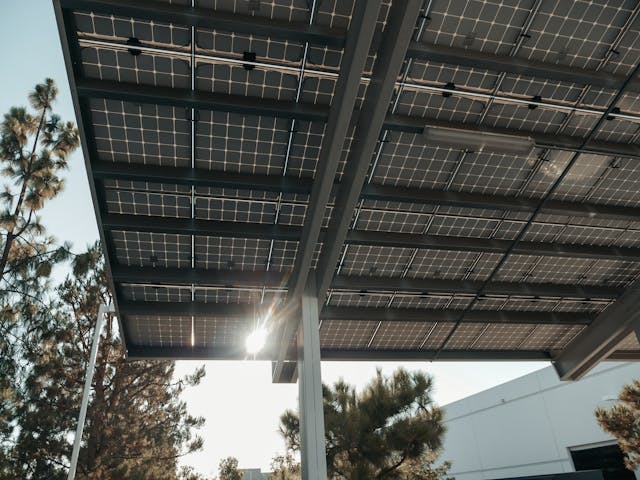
(237, 398)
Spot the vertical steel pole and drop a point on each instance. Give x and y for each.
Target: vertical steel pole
(312, 442)
(102, 311)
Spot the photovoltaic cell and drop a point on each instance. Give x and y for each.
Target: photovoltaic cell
(596, 36)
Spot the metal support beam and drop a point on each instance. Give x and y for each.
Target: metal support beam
(182, 97)
(258, 279)
(435, 286)
(195, 309)
(356, 51)
(439, 315)
(272, 183)
(189, 226)
(91, 88)
(192, 226)
(518, 66)
(102, 311)
(215, 20)
(400, 26)
(139, 352)
(335, 38)
(601, 338)
(200, 277)
(356, 314)
(312, 442)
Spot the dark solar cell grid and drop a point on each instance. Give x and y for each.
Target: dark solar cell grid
(582, 177)
(628, 54)
(289, 10)
(439, 74)
(255, 83)
(159, 331)
(398, 207)
(425, 104)
(407, 162)
(389, 221)
(549, 90)
(436, 335)
(152, 249)
(578, 34)
(149, 187)
(144, 69)
(219, 332)
(465, 335)
(357, 299)
(337, 13)
(521, 117)
(431, 301)
(221, 253)
(400, 335)
(592, 306)
(630, 343)
(622, 185)
(155, 293)
(551, 337)
(148, 134)
(231, 210)
(150, 204)
(305, 149)
(492, 173)
(618, 130)
(503, 337)
(452, 265)
(319, 90)
(375, 261)
(147, 32)
(231, 44)
(490, 26)
(235, 143)
(340, 334)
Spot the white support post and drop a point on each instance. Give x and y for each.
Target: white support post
(312, 441)
(102, 311)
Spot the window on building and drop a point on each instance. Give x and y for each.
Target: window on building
(608, 458)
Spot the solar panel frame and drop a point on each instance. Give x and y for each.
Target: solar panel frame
(126, 132)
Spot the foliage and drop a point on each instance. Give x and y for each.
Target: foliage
(423, 468)
(622, 421)
(379, 432)
(34, 149)
(136, 428)
(228, 469)
(285, 467)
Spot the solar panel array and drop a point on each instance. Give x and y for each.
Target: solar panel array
(203, 144)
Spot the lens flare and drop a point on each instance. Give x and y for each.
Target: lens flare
(256, 340)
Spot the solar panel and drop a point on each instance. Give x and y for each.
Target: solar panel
(204, 142)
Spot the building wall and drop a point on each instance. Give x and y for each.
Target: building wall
(526, 426)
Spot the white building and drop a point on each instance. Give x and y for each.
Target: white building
(537, 425)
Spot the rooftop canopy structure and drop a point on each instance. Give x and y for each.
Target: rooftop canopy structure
(437, 180)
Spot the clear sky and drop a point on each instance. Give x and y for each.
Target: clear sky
(238, 400)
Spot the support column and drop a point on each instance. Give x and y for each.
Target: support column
(312, 442)
(102, 311)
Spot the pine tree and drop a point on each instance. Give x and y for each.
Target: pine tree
(378, 433)
(137, 426)
(623, 422)
(285, 467)
(228, 469)
(34, 149)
